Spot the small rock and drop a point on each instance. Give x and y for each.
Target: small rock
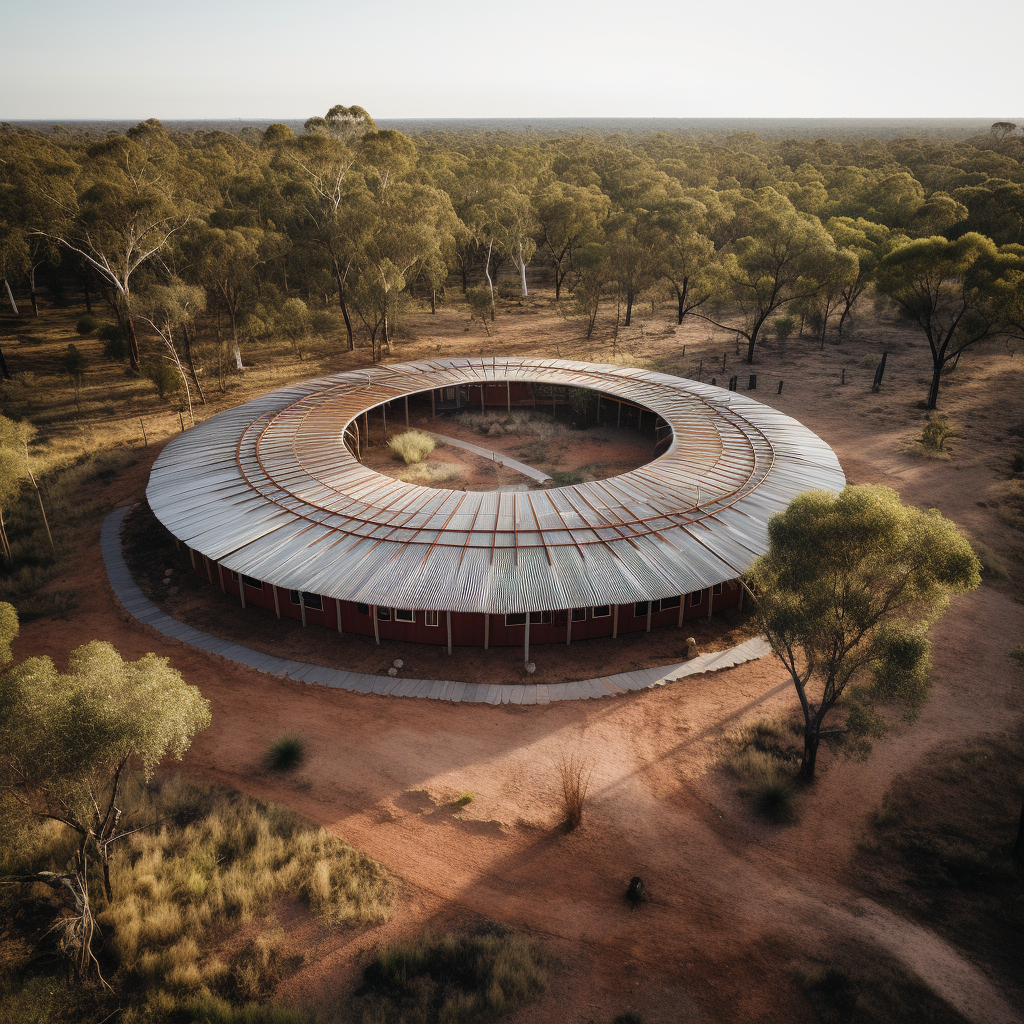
(637, 891)
(691, 648)
(165, 581)
(392, 671)
(398, 663)
(168, 572)
(530, 668)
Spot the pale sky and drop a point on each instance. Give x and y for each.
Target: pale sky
(133, 59)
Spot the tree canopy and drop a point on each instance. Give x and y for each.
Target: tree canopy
(846, 594)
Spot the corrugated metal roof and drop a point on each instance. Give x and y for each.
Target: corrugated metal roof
(270, 490)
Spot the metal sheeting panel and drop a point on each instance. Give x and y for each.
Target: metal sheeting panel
(270, 490)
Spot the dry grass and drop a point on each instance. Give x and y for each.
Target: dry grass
(430, 474)
(452, 978)
(412, 447)
(574, 770)
(520, 424)
(764, 756)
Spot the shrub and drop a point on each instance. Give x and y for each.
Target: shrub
(431, 474)
(1017, 653)
(935, 432)
(73, 363)
(463, 799)
(769, 781)
(163, 375)
(574, 771)
(784, 326)
(116, 338)
(412, 447)
(87, 324)
(286, 753)
(454, 978)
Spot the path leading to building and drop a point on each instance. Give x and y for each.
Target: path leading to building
(496, 457)
(145, 611)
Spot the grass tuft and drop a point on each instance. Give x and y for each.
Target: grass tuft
(574, 771)
(412, 447)
(286, 753)
(453, 978)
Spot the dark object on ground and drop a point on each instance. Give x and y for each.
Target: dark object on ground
(286, 753)
(637, 891)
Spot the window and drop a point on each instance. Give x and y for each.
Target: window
(404, 615)
(601, 611)
(668, 602)
(640, 609)
(384, 614)
(517, 619)
(363, 609)
(430, 618)
(716, 589)
(696, 599)
(538, 617)
(449, 394)
(250, 582)
(309, 600)
(579, 615)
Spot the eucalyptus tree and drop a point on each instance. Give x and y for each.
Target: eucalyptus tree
(957, 293)
(772, 265)
(868, 243)
(121, 215)
(688, 255)
(568, 216)
(67, 741)
(332, 206)
(845, 595)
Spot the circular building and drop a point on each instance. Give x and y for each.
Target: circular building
(275, 506)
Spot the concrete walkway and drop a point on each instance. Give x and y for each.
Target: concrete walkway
(501, 460)
(141, 608)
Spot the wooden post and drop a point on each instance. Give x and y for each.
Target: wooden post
(487, 631)
(711, 601)
(220, 577)
(448, 621)
(209, 571)
(682, 605)
(384, 418)
(145, 440)
(302, 606)
(568, 630)
(192, 558)
(599, 408)
(615, 621)
(650, 609)
(376, 628)
(277, 602)
(433, 404)
(483, 392)
(508, 393)
(241, 589)
(739, 607)
(618, 418)
(407, 410)
(337, 608)
(526, 641)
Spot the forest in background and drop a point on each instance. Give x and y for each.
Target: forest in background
(234, 237)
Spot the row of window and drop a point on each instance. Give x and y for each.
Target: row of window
(601, 611)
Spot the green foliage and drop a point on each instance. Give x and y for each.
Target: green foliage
(848, 589)
(453, 978)
(286, 753)
(8, 632)
(411, 447)
(479, 300)
(463, 799)
(935, 433)
(115, 337)
(73, 363)
(87, 325)
(1017, 654)
(784, 326)
(163, 375)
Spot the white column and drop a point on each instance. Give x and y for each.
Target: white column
(568, 630)
(302, 606)
(241, 589)
(650, 606)
(277, 603)
(487, 631)
(682, 605)
(615, 621)
(337, 608)
(711, 600)
(376, 628)
(220, 577)
(526, 641)
(448, 620)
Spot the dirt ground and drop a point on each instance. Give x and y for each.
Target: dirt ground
(735, 900)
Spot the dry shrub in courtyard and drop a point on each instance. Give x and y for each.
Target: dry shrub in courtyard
(574, 771)
(411, 447)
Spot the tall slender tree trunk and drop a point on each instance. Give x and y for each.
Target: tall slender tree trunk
(487, 274)
(133, 342)
(10, 297)
(32, 291)
(629, 308)
(933, 390)
(344, 307)
(522, 271)
(192, 365)
(812, 737)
